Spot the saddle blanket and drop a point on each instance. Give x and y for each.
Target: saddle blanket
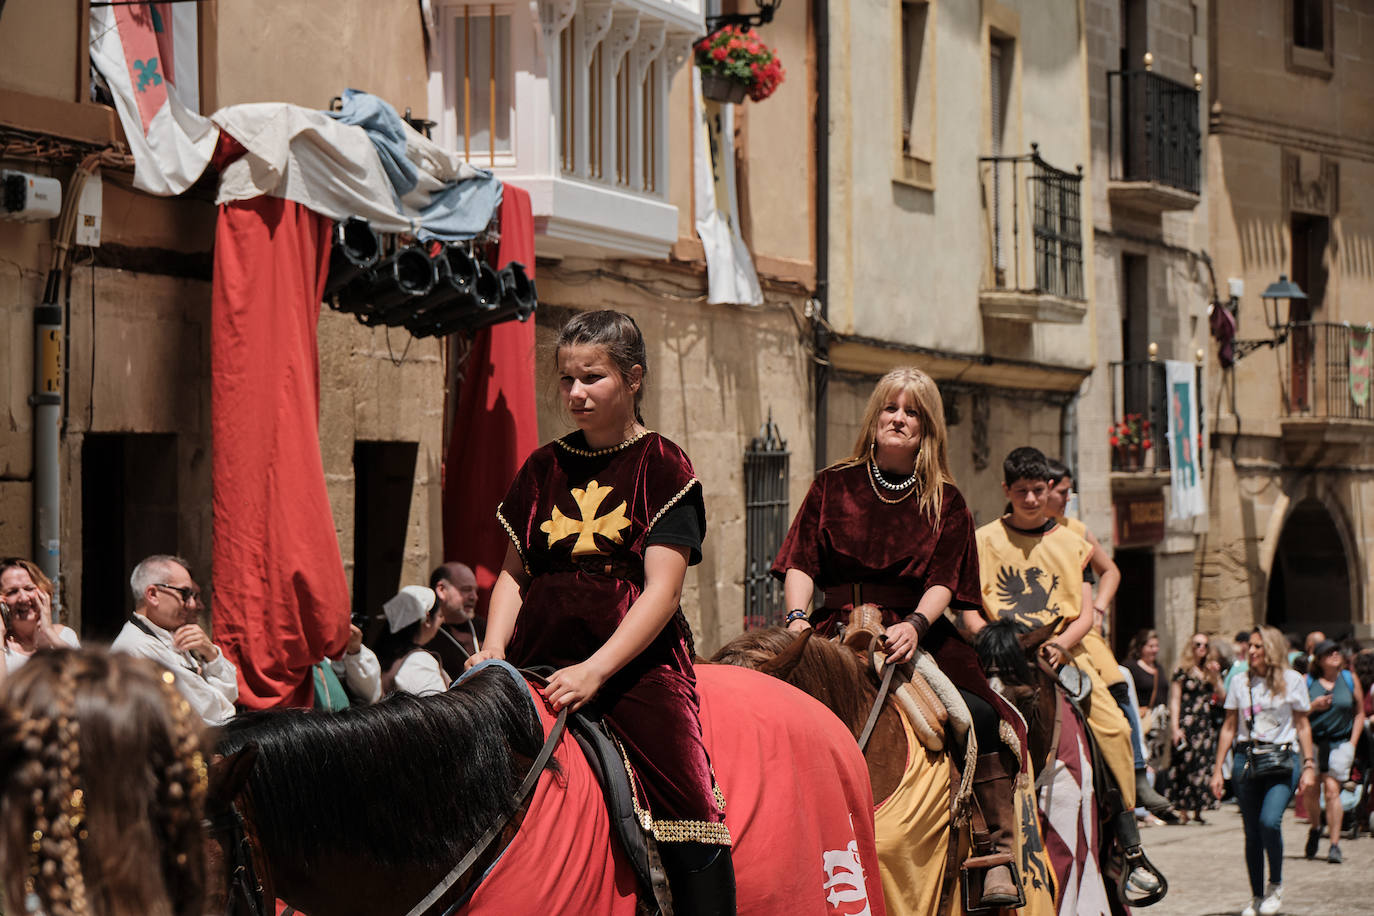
(798, 805)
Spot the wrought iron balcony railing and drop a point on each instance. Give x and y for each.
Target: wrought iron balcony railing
(1140, 414)
(1328, 371)
(1048, 204)
(1152, 130)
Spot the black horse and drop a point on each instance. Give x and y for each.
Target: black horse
(406, 786)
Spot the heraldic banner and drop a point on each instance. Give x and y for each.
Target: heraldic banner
(1185, 471)
(1359, 365)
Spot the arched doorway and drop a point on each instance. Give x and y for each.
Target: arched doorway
(1309, 584)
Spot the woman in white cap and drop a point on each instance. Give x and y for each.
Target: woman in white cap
(412, 618)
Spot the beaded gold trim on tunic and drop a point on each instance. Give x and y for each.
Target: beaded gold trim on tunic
(610, 449)
(670, 503)
(513, 539)
(676, 831)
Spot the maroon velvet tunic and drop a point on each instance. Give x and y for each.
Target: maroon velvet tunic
(581, 520)
(844, 535)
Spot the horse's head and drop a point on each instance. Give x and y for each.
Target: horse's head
(1007, 650)
(236, 879)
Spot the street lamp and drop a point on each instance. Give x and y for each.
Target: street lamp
(1283, 288)
(764, 16)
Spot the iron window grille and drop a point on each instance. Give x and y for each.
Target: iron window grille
(765, 518)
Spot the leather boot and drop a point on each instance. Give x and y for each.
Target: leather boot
(1140, 882)
(1146, 797)
(701, 878)
(994, 791)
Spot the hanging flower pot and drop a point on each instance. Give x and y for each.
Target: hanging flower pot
(723, 88)
(735, 63)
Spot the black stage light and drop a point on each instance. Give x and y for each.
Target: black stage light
(357, 249)
(399, 282)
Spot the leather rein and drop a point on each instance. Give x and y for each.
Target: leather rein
(246, 887)
(884, 688)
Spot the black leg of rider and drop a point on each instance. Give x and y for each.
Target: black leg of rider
(994, 787)
(701, 878)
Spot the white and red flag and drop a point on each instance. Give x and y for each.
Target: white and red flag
(148, 54)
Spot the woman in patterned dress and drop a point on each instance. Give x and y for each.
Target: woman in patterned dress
(1193, 693)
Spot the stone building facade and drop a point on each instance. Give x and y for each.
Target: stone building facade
(960, 142)
(520, 92)
(1290, 159)
(1147, 66)
(134, 457)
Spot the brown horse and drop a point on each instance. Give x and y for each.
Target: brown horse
(920, 838)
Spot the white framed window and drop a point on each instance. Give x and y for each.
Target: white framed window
(475, 40)
(568, 99)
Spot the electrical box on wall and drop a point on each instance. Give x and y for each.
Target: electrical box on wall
(88, 210)
(29, 197)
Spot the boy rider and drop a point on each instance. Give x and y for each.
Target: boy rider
(1033, 571)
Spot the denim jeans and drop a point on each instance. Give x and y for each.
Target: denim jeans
(1262, 803)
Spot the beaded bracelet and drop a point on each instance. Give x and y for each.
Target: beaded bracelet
(794, 614)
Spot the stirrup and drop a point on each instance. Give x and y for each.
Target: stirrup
(1137, 881)
(974, 868)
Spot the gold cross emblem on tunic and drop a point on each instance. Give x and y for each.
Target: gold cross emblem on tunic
(588, 501)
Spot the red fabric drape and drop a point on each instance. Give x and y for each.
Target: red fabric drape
(495, 425)
(281, 598)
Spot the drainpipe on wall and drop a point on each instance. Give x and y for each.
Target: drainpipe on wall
(820, 12)
(46, 401)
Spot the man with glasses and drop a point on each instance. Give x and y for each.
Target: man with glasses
(165, 628)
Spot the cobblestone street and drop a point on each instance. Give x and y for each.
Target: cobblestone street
(1206, 870)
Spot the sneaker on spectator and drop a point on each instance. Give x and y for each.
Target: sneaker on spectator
(1272, 901)
(1251, 908)
(1334, 856)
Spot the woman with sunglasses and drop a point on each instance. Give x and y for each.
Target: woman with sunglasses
(26, 603)
(1337, 719)
(1193, 692)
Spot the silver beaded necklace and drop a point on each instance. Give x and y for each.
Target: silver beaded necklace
(885, 483)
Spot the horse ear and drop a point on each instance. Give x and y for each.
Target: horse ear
(1038, 636)
(781, 665)
(228, 776)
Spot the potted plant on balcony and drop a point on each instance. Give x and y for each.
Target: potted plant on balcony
(1130, 439)
(735, 63)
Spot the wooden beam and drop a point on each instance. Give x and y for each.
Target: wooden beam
(85, 122)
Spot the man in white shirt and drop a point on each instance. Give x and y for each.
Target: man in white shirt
(164, 628)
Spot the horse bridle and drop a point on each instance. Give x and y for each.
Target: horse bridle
(243, 884)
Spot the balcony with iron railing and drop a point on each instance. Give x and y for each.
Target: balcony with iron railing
(1033, 214)
(1154, 141)
(1324, 385)
(1140, 412)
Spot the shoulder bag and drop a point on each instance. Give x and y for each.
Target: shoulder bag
(1264, 759)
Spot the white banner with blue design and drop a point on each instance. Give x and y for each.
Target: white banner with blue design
(1180, 386)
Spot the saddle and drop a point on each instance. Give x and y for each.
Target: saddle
(612, 771)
